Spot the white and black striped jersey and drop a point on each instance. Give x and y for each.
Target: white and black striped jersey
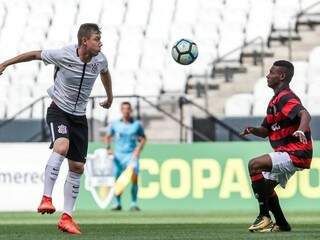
(73, 79)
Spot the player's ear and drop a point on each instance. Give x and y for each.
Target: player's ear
(282, 76)
(84, 41)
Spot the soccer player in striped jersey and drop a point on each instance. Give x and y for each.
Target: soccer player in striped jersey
(287, 127)
(76, 68)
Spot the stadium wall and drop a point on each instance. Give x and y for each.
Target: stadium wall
(203, 176)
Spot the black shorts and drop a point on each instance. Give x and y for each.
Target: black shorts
(75, 128)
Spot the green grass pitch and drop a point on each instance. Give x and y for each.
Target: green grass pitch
(154, 225)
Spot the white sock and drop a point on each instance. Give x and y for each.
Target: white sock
(71, 190)
(51, 172)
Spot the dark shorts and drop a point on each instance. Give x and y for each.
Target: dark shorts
(75, 128)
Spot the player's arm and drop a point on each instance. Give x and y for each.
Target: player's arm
(107, 84)
(257, 131)
(107, 139)
(24, 57)
(305, 119)
(141, 142)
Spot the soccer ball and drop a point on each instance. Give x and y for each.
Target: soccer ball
(184, 51)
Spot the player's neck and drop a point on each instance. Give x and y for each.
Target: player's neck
(84, 55)
(126, 119)
(280, 87)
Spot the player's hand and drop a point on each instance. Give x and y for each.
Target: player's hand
(106, 103)
(2, 68)
(246, 131)
(302, 137)
(136, 154)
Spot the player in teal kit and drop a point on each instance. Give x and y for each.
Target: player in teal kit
(129, 139)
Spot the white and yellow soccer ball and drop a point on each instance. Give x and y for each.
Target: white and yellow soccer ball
(184, 51)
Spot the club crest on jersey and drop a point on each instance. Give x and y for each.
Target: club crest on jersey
(275, 127)
(62, 129)
(99, 179)
(94, 67)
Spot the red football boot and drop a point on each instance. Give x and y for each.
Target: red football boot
(46, 206)
(66, 224)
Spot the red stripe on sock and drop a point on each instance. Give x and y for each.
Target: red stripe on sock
(256, 177)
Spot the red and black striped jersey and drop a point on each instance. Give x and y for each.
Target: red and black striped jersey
(282, 121)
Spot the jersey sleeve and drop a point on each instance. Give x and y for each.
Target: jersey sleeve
(292, 108)
(110, 130)
(104, 67)
(140, 131)
(265, 124)
(53, 56)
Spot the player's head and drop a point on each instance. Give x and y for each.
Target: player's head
(89, 37)
(126, 110)
(280, 73)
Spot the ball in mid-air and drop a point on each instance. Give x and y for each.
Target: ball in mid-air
(184, 51)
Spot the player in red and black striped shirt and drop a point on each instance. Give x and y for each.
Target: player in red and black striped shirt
(287, 127)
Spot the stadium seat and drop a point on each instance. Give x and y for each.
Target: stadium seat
(264, 8)
(113, 12)
(138, 36)
(148, 83)
(138, 12)
(299, 81)
(89, 12)
(314, 65)
(314, 89)
(262, 95)
(179, 31)
(283, 13)
(124, 83)
(300, 70)
(3, 108)
(239, 105)
(313, 103)
(174, 80)
(185, 13)
(153, 49)
(46, 74)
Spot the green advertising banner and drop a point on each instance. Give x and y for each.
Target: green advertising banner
(203, 176)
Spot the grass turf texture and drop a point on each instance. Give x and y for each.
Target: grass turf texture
(154, 225)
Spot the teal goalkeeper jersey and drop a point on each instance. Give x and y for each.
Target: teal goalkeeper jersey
(125, 135)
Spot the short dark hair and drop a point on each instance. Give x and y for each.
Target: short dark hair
(126, 103)
(86, 29)
(287, 67)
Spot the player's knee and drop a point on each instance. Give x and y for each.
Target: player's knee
(76, 167)
(134, 179)
(61, 146)
(253, 166)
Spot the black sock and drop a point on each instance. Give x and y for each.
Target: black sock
(260, 192)
(276, 210)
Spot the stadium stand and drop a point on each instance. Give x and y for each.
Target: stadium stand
(137, 39)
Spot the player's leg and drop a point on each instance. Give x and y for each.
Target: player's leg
(51, 172)
(256, 167)
(275, 208)
(117, 172)
(282, 170)
(134, 188)
(72, 185)
(77, 153)
(71, 191)
(134, 193)
(59, 132)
